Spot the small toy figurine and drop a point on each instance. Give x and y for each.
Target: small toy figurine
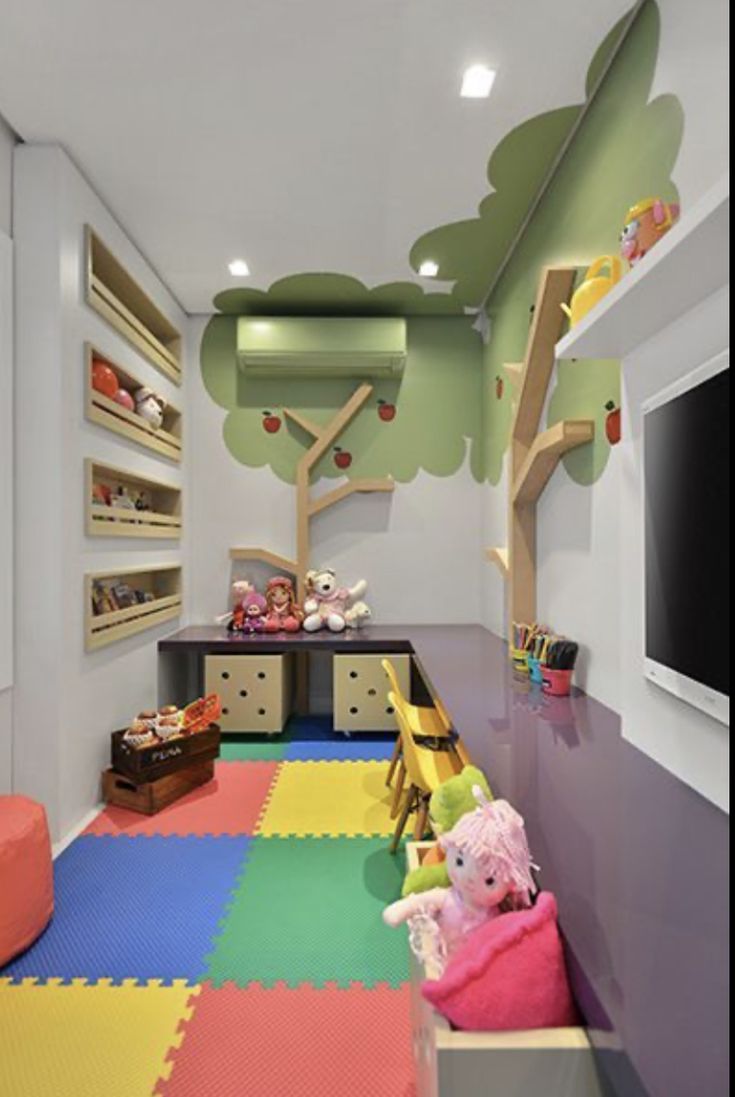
(358, 615)
(149, 406)
(645, 224)
(122, 499)
(284, 615)
(489, 868)
(239, 590)
(249, 615)
(327, 604)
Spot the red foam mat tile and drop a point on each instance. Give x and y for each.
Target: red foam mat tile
(302, 1042)
(230, 804)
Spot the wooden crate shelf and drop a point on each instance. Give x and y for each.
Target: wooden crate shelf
(161, 582)
(161, 520)
(117, 297)
(100, 409)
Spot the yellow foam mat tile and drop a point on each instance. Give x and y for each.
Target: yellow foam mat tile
(330, 799)
(89, 1040)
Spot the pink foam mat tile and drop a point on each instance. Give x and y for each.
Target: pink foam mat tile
(231, 804)
(298, 1042)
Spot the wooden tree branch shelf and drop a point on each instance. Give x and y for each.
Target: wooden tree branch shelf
(302, 421)
(161, 520)
(499, 557)
(350, 488)
(161, 582)
(544, 455)
(100, 409)
(265, 556)
(117, 297)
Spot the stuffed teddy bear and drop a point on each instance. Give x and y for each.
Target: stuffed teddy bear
(448, 804)
(326, 603)
(284, 615)
(149, 406)
(489, 868)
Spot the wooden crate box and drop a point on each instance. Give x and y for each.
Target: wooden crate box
(256, 691)
(361, 692)
(549, 1062)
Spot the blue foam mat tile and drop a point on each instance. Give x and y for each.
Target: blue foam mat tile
(309, 729)
(135, 908)
(359, 748)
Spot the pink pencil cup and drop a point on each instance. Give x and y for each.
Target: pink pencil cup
(558, 683)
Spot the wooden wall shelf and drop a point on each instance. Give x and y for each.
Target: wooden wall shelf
(499, 557)
(163, 582)
(117, 297)
(545, 454)
(265, 556)
(162, 520)
(108, 413)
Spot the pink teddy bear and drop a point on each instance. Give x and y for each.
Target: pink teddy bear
(326, 603)
(489, 866)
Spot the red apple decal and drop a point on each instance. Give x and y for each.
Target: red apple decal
(271, 422)
(342, 458)
(386, 411)
(613, 425)
(499, 388)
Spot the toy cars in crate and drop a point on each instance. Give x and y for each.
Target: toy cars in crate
(163, 742)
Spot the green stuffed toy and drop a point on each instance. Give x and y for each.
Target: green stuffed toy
(448, 804)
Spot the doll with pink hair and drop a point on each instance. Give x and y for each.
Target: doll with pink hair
(249, 615)
(489, 867)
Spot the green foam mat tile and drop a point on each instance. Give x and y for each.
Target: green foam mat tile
(253, 748)
(308, 910)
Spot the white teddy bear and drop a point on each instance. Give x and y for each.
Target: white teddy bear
(358, 615)
(328, 605)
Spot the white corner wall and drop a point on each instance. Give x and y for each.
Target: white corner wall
(67, 701)
(681, 738)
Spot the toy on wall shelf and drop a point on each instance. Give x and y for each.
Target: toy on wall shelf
(124, 399)
(645, 224)
(249, 615)
(101, 495)
(104, 379)
(123, 500)
(594, 287)
(489, 867)
(149, 406)
(283, 613)
(326, 603)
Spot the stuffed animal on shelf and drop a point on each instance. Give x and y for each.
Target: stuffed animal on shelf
(327, 603)
(358, 615)
(645, 224)
(284, 614)
(489, 867)
(249, 615)
(239, 591)
(149, 406)
(448, 804)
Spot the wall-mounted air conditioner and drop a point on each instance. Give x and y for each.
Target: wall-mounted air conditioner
(315, 346)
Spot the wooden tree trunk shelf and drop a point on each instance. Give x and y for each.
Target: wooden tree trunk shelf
(161, 520)
(117, 297)
(499, 557)
(161, 582)
(544, 455)
(100, 409)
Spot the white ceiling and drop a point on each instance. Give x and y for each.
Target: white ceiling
(301, 135)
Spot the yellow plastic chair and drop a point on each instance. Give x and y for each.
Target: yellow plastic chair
(426, 770)
(424, 723)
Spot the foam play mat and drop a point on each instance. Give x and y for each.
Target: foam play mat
(329, 798)
(231, 944)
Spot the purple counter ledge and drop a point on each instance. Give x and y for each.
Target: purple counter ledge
(637, 859)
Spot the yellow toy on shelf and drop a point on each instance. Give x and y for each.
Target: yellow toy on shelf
(594, 287)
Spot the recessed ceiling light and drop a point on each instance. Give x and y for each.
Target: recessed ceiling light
(428, 269)
(239, 268)
(477, 82)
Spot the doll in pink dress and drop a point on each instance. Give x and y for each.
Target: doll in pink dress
(284, 614)
(489, 866)
(249, 616)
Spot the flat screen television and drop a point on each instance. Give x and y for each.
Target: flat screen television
(686, 458)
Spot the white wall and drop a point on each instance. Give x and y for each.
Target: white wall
(418, 548)
(7, 144)
(67, 701)
(684, 740)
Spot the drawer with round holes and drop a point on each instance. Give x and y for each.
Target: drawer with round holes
(361, 692)
(256, 691)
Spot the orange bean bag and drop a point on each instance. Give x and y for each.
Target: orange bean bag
(26, 874)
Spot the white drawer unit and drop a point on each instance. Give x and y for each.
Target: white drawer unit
(255, 690)
(361, 692)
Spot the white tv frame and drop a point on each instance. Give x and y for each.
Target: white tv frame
(694, 693)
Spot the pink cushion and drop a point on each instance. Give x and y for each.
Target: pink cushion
(26, 874)
(508, 975)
